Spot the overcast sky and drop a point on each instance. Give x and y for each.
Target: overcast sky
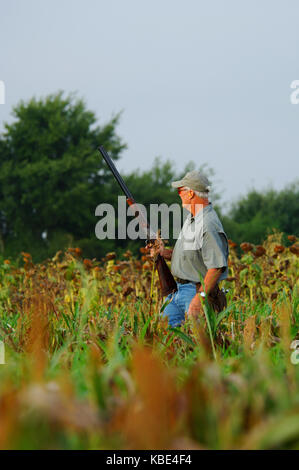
(207, 81)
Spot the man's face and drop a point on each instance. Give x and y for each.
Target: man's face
(186, 196)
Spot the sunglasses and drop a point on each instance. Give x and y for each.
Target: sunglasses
(180, 190)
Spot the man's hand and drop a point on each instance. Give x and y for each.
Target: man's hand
(195, 307)
(155, 248)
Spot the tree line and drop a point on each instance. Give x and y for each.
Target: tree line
(52, 178)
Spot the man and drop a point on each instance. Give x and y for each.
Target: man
(202, 247)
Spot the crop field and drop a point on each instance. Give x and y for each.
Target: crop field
(88, 362)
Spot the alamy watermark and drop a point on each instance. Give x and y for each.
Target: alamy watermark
(2, 352)
(295, 354)
(294, 96)
(137, 222)
(2, 92)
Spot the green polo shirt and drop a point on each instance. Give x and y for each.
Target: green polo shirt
(202, 245)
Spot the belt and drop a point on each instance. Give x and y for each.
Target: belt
(185, 281)
(213, 293)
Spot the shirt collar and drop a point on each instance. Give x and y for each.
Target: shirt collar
(200, 213)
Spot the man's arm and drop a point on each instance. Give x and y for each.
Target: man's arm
(210, 280)
(214, 253)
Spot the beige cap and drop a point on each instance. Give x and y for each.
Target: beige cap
(193, 180)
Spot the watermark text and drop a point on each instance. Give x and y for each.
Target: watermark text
(2, 92)
(138, 222)
(2, 352)
(294, 96)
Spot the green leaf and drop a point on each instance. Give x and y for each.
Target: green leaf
(182, 335)
(144, 329)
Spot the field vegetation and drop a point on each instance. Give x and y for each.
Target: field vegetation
(90, 364)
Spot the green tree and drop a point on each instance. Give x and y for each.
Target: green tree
(255, 215)
(52, 178)
(51, 175)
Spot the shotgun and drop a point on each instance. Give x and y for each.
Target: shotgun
(167, 282)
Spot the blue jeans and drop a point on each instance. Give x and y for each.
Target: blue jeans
(179, 304)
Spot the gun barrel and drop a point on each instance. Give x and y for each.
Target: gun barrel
(167, 281)
(131, 201)
(116, 175)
